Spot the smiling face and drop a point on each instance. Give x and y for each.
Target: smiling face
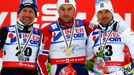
(27, 15)
(66, 12)
(104, 17)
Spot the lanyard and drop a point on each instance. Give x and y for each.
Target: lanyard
(19, 44)
(100, 36)
(65, 39)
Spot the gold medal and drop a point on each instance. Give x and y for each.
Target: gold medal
(68, 51)
(21, 57)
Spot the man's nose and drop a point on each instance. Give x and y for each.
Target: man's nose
(104, 15)
(66, 12)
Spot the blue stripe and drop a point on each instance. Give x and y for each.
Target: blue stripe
(45, 52)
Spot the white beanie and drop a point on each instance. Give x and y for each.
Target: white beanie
(60, 2)
(104, 4)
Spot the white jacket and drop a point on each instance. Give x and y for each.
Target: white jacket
(120, 36)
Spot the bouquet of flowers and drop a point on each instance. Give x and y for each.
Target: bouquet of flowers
(97, 64)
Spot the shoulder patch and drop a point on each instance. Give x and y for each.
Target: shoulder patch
(11, 28)
(54, 26)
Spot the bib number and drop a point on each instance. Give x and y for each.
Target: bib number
(108, 52)
(26, 53)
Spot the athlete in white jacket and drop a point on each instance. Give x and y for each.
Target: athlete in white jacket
(111, 36)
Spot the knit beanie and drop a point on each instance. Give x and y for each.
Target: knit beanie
(60, 2)
(104, 4)
(28, 3)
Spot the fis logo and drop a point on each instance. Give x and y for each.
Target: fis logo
(56, 36)
(11, 38)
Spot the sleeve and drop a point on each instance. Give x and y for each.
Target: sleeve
(44, 50)
(90, 43)
(129, 41)
(89, 47)
(88, 28)
(128, 37)
(3, 36)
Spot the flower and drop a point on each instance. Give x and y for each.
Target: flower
(90, 63)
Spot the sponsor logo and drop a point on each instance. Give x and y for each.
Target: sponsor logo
(78, 34)
(23, 38)
(113, 38)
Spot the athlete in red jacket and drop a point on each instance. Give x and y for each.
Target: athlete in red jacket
(64, 43)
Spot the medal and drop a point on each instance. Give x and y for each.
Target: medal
(68, 51)
(21, 57)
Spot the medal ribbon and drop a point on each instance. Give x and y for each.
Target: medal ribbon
(72, 33)
(100, 36)
(19, 44)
